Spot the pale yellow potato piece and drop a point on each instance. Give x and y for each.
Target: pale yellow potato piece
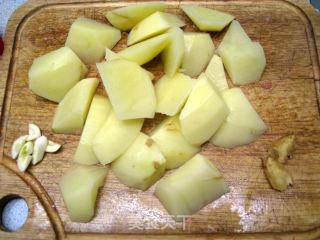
(72, 111)
(79, 186)
(99, 110)
(173, 54)
(89, 38)
(129, 88)
(215, 73)
(110, 55)
(242, 126)
(207, 19)
(203, 113)
(236, 34)
(244, 63)
(145, 51)
(172, 93)
(174, 147)
(199, 50)
(141, 165)
(115, 137)
(154, 24)
(52, 75)
(191, 187)
(125, 18)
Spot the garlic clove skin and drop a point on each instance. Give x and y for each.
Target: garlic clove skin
(39, 149)
(17, 145)
(34, 132)
(52, 147)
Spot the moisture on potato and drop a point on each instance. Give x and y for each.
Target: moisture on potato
(244, 63)
(72, 111)
(173, 54)
(191, 187)
(207, 19)
(125, 18)
(145, 51)
(98, 112)
(174, 147)
(172, 93)
(203, 113)
(215, 73)
(154, 24)
(114, 137)
(52, 75)
(129, 88)
(89, 38)
(243, 125)
(198, 52)
(79, 187)
(141, 165)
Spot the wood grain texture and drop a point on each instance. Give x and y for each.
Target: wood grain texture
(289, 31)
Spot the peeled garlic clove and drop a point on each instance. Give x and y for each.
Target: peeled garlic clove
(52, 147)
(39, 149)
(34, 132)
(25, 157)
(23, 162)
(17, 145)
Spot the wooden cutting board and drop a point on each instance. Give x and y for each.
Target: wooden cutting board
(287, 98)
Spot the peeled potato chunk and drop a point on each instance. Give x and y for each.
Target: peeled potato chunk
(154, 24)
(72, 111)
(215, 73)
(99, 110)
(129, 88)
(89, 38)
(244, 63)
(207, 19)
(242, 126)
(236, 34)
(172, 93)
(203, 113)
(141, 165)
(198, 52)
(110, 55)
(145, 51)
(52, 75)
(174, 147)
(173, 54)
(125, 18)
(115, 137)
(79, 187)
(191, 187)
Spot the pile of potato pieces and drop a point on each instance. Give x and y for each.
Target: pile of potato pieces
(199, 110)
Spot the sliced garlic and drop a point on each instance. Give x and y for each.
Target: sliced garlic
(52, 147)
(39, 149)
(34, 132)
(17, 145)
(25, 157)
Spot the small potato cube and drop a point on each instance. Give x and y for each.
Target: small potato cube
(141, 165)
(89, 38)
(191, 187)
(79, 186)
(172, 144)
(215, 73)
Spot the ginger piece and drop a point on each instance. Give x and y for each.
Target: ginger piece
(276, 174)
(282, 148)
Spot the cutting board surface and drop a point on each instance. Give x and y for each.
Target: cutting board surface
(286, 98)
